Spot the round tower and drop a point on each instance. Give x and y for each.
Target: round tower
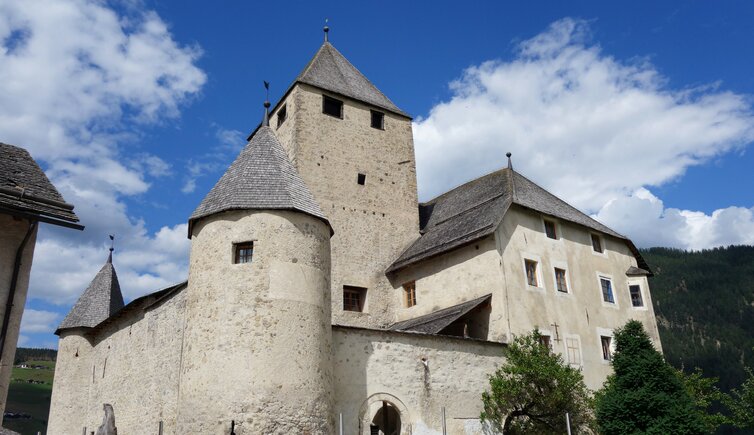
(257, 347)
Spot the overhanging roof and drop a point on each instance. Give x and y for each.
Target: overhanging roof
(433, 323)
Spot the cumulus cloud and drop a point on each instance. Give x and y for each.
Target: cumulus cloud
(228, 144)
(77, 103)
(34, 321)
(588, 127)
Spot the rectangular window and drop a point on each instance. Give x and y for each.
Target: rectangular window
(243, 252)
(573, 351)
(378, 120)
(550, 229)
(361, 179)
(597, 243)
(607, 290)
(354, 298)
(531, 272)
(607, 354)
(332, 107)
(282, 115)
(560, 280)
(544, 340)
(409, 290)
(636, 299)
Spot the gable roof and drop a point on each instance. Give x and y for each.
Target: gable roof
(475, 209)
(99, 301)
(261, 178)
(26, 191)
(330, 70)
(434, 323)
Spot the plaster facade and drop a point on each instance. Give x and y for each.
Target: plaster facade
(12, 233)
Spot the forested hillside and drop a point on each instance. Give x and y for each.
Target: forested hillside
(24, 354)
(704, 302)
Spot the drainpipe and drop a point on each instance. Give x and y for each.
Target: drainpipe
(13, 283)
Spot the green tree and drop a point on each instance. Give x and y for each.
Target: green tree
(533, 390)
(706, 395)
(644, 394)
(742, 403)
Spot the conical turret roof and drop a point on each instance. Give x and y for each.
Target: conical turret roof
(261, 178)
(331, 71)
(99, 301)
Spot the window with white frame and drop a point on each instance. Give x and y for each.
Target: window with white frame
(573, 351)
(531, 272)
(607, 351)
(561, 283)
(606, 285)
(634, 291)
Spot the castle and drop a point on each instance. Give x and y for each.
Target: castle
(321, 295)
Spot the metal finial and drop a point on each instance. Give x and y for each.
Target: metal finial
(266, 119)
(510, 164)
(112, 248)
(326, 29)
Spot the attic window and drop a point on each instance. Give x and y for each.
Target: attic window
(550, 229)
(282, 115)
(378, 120)
(332, 107)
(409, 290)
(243, 252)
(354, 298)
(597, 243)
(361, 179)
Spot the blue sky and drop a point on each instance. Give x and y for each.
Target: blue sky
(639, 113)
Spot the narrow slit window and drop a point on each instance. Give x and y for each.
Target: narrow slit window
(243, 252)
(560, 280)
(551, 229)
(607, 354)
(607, 290)
(597, 243)
(332, 106)
(361, 179)
(531, 272)
(378, 120)
(354, 298)
(636, 299)
(409, 290)
(282, 115)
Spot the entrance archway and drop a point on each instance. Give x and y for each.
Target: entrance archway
(387, 421)
(384, 414)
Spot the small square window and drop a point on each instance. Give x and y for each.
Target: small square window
(282, 115)
(332, 106)
(607, 290)
(378, 120)
(354, 298)
(573, 351)
(544, 340)
(409, 290)
(560, 280)
(550, 229)
(531, 272)
(361, 179)
(607, 353)
(597, 243)
(243, 252)
(636, 299)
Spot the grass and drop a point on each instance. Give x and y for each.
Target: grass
(32, 399)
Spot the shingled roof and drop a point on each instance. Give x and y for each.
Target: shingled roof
(26, 191)
(475, 209)
(99, 301)
(331, 71)
(261, 178)
(434, 323)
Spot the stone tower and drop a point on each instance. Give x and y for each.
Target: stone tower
(354, 149)
(257, 348)
(75, 364)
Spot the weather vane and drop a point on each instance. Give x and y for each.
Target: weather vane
(326, 29)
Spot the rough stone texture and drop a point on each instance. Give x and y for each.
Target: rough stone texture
(373, 223)
(12, 233)
(371, 366)
(132, 363)
(258, 337)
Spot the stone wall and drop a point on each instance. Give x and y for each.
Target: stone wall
(375, 222)
(373, 366)
(12, 233)
(132, 362)
(258, 338)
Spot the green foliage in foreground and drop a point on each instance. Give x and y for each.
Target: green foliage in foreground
(707, 398)
(533, 390)
(644, 394)
(742, 404)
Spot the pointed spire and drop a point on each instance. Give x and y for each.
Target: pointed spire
(326, 29)
(266, 119)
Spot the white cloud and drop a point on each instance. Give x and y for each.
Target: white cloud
(78, 79)
(592, 129)
(34, 321)
(230, 143)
